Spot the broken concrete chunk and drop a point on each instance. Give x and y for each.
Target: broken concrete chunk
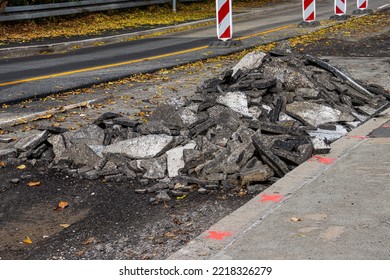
(106, 116)
(188, 116)
(109, 168)
(154, 168)
(257, 173)
(330, 135)
(125, 122)
(81, 153)
(308, 93)
(58, 145)
(216, 177)
(143, 147)
(8, 153)
(153, 127)
(167, 115)
(158, 187)
(230, 160)
(175, 160)
(313, 113)
(321, 145)
(89, 134)
(237, 101)
(277, 164)
(32, 141)
(249, 61)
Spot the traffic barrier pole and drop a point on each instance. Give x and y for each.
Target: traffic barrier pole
(309, 10)
(362, 8)
(224, 19)
(362, 4)
(340, 7)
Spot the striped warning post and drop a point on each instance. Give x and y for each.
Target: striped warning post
(309, 10)
(362, 4)
(340, 7)
(224, 19)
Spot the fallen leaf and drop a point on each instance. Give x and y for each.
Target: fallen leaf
(295, 219)
(61, 205)
(48, 116)
(170, 235)
(21, 167)
(3, 164)
(181, 197)
(27, 240)
(89, 241)
(34, 184)
(65, 225)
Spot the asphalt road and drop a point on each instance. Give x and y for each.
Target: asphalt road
(41, 75)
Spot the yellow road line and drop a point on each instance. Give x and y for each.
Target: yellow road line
(130, 61)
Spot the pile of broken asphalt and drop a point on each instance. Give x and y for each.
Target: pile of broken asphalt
(254, 124)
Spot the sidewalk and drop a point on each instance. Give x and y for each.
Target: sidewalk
(334, 206)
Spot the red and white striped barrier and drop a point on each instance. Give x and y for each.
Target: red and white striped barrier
(224, 19)
(340, 7)
(309, 10)
(362, 4)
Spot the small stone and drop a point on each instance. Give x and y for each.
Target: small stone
(90, 175)
(15, 180)
(163, 196)
(177, 193)
(211, 186)
(113, 178)
(141, 191)
(202, 191)
(158, 187)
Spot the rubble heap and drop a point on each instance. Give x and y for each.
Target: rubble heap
(253, 124)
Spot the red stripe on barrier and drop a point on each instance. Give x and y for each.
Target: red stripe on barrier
(226, 34)
(339, 11)
(307, 3)
(311, 16)
(363, 5)
(223, 11)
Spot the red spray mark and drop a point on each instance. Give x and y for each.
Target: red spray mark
(323, 160)
(386, 125)
(218, 235)
(272, 197)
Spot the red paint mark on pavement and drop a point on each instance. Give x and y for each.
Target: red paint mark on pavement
(386, 125)
(218, 235)
(323, 160)
(272, 197)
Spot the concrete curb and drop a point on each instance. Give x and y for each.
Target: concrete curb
(253, 213)
(40, 115)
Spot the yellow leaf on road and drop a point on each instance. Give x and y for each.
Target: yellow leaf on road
(295, 219)
(34, 184)
(61, 205)
(65, 225)
(21, 167)
(27, 240)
